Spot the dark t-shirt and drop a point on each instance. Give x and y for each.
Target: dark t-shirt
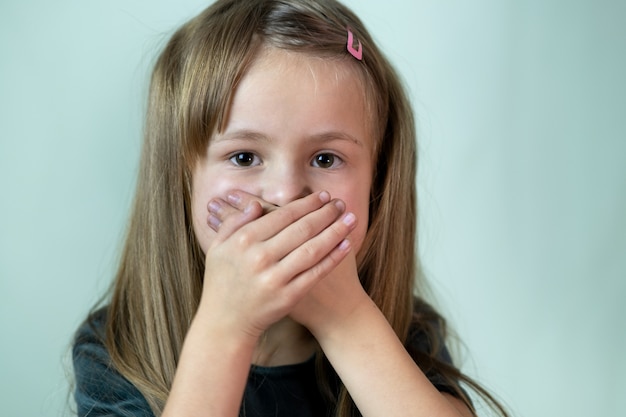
(280, 391)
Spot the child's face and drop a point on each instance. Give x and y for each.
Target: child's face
(297, 125)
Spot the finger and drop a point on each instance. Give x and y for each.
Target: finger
(302, 283)
(240, 199)
(305, 228)
(235, 219)
(332, 241)
(219, 211)
(274, 222)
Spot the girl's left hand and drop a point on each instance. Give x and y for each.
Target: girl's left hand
(331, 301)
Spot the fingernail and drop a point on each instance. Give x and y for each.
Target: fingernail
(214, 206)
(214, 222)
(234, 199)
(349, 219)
(344, 245)
(340, 205)
(324, 197)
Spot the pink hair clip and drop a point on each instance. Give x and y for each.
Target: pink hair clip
(357, 53)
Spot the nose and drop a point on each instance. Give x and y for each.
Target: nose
(283, 185)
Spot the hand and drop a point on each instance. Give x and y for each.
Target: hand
(332, 301)
(327, 301)
(260, 265)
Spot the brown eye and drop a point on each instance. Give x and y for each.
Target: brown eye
(244, 159)
(325, 160)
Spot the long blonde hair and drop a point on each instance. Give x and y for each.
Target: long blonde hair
(159, 281)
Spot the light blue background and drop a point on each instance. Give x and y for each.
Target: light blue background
(521, 112)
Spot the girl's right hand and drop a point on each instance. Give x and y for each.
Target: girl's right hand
(259, 266)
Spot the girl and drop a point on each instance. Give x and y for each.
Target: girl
(270, 261)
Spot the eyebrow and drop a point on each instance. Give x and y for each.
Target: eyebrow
(247, 134)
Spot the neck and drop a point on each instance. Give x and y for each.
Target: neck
(284, 343)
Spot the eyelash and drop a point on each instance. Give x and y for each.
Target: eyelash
(335, 160)
(234, 159)
(254, 160)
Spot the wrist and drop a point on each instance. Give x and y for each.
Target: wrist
(341, 322)
(215, 327)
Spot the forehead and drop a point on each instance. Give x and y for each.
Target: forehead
(321, 91)
(280, 59)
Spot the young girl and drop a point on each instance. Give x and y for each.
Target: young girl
(270, 263)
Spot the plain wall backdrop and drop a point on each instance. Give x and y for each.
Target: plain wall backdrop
(520, 110)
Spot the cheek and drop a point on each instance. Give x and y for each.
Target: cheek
(199, 215)
(359, 205)
(206, 185)
(358, 235)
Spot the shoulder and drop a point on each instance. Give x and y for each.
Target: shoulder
(99, 389)
(88, 350)
(91, 331)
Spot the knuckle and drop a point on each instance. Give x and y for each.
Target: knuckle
(337, 231)
(244, 239)
(306, 228)
(311, 251)
(261, 260)
(290, 215)
(317, 271)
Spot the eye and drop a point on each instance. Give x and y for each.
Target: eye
(326, 160)
(245, 159)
